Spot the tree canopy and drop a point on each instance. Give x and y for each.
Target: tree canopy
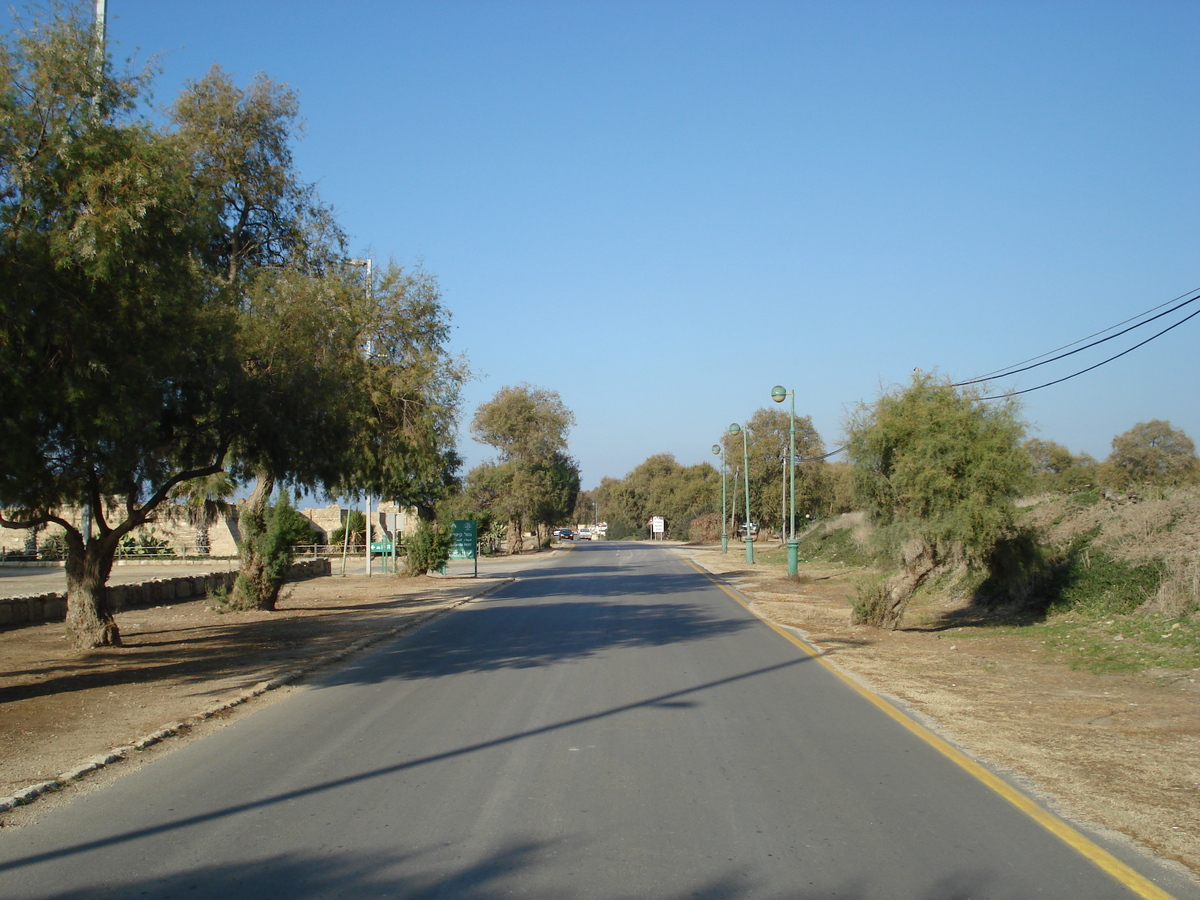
(178, 304)
(534, 483)
(767, 446)
(938, 468)
(1154, 452)
(659, 486)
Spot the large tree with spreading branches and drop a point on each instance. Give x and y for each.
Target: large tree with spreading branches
(178, 304)
(937, 468)
(533, 484)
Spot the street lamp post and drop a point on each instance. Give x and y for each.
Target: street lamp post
(366, 263)
(720, 451)
(777, 394)
(735, 428)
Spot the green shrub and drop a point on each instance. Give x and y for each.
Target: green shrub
(53, 547)
(293, 527)
(1094, 583)
(1018, 567)
(871, 601)
(831, 545)
(427, 548)
(266, 552)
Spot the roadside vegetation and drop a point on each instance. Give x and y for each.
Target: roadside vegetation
(1118, 592)
(532, 484)
(180, 306)
(182, 319)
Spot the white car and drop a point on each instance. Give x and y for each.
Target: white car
(583, 534)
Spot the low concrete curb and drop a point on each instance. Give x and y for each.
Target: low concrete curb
(119, 754)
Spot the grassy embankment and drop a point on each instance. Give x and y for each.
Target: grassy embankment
(1118, 589)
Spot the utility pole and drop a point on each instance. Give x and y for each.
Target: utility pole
(99, 21)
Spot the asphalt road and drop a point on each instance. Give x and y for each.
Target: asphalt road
(611, 725)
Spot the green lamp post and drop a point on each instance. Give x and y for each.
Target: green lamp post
(719, 451)
(777, 394)
(735, 428)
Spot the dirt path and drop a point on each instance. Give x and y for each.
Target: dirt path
(1122, 752)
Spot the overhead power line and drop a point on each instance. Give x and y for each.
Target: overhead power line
(1096, 366)
(1022, 367)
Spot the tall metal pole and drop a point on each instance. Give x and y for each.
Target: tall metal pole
(100, 23)
(367, 531)
(734, 429)
(370, 350)
(720, 449)
(792, 545)
(777, 394)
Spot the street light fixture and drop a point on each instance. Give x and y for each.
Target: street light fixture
(720, 451)
(366, 263)
(778, 393)
(735, 428)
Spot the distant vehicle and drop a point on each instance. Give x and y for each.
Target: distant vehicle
(564, 534)
(584, 534)
(753, 529)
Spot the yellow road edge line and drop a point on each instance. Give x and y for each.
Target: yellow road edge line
(1120, 871)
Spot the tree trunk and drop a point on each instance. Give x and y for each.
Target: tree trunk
(203, 541)
(516, 539)
(90, 622)
(255, 587)
(899, 589)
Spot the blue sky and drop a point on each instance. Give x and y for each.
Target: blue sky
(662, 209)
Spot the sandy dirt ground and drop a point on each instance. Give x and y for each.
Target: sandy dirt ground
(1117, 751)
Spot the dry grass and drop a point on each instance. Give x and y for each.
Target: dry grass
(1163, 526)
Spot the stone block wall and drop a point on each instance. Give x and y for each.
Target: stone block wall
(32, 610)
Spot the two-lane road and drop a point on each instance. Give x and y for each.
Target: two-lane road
(612, 725)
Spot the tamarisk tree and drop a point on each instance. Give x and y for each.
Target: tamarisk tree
(177, 305)
(116, 352)
(534, 483)
(938, 469)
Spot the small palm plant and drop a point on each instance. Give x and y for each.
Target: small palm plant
(200, 502)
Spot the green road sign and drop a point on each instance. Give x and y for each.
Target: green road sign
(466, 539)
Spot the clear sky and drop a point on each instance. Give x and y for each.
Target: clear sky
(662, 209)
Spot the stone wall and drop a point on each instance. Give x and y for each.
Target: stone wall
(223, 535)
(35, 609)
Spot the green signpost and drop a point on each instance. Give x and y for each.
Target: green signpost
(465, 543)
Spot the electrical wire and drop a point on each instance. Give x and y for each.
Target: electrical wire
(1097, 365)
(819, 458)
(1022, 367)
(1002, 372)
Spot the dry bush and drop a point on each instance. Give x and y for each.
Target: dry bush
(1162, 526)
(871, 602)
(705, 528)
(1179, 592)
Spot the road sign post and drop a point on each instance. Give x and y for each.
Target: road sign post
(465, 541)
